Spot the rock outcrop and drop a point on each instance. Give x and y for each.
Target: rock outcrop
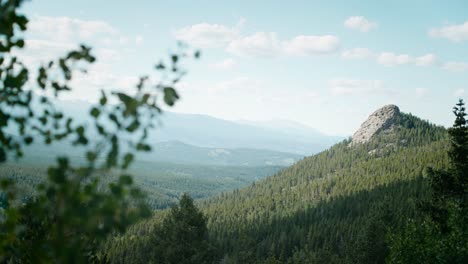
(380, 120)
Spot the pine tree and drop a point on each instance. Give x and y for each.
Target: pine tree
(183, 236)
(459, 150)
(443, 236)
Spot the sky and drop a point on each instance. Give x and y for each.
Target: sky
(326, 64)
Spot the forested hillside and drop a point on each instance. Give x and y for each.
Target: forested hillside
(333, 207)
(163, 183)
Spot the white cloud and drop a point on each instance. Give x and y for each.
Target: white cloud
(459, 93)
(426, 60)
(357, 87)
(48, 38)
(392, 59)
(99, 77)
(311, 45)
(206, 35)
(260, 44)
(224, 64)
(455, 66)
(357, 53)
(455, 33)
(66, 29)
(359, 23)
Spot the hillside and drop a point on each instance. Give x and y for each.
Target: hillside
(319, 208)
(333, 207)
(163, 182)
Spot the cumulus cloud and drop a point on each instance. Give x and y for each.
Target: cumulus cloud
(455, 33)
(311, 45)
(357, 53)
(206, 35)
(455, 66)
(48, 38)
(66, 29)
(357, 87)
(224, 64)
(392, 59)
(258, 44)
(426, 60)
(359, 23)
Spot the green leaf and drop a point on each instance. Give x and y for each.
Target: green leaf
(133, 126)
(3, 155)
(143, 147)
(125, 179)
(170, 96)
(103, 99)
(28, 140)
(128, 158)
(91, 156)
(95, 112)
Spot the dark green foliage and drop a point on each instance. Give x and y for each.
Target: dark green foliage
(178, 236)
(163, 183)
(183, 236)
(334, 207)
(70, 214)
(440, 235)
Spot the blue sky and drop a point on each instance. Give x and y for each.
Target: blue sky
(322, 63)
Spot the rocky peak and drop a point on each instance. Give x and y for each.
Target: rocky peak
(382, 119)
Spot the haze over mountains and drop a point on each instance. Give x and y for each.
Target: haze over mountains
(201, 139)
(207, 131)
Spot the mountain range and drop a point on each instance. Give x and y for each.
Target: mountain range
(206, 131)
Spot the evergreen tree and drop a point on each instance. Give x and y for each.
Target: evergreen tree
(441, 235)
(459, 151)
(183, 236)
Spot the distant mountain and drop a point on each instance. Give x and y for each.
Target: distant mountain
(207, 131)
(182, 153)
(294, 128)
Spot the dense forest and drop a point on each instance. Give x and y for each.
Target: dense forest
(163, 183)
(399, 196)
(334, 207)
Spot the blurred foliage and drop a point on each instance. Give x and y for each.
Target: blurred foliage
(70, 215)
